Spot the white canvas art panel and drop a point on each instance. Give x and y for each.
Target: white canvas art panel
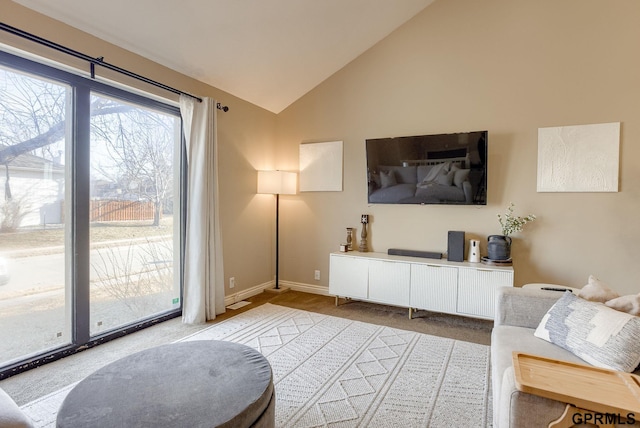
(321, 167)
(582, 158)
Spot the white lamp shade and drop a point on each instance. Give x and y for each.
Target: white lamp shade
(277, 182)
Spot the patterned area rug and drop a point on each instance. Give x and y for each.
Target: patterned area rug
(336, 372)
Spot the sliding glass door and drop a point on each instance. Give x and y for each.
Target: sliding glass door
(90, 212)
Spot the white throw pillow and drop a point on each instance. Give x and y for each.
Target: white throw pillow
(387, 179)
(601, 336)
(434, 172)
(445, 178)
(461, 176)
(597, 291)
(629, 304)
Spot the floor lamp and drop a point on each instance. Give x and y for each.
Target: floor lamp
(277, 183)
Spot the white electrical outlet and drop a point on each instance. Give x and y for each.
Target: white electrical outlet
(316, 275)
(232, 282)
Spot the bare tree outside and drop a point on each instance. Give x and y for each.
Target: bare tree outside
(12, 212)
(32, 117)
(139, 147)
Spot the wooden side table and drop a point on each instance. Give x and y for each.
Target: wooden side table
(607, 396)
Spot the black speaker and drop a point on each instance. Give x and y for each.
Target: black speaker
(413, 253)
(455, 246)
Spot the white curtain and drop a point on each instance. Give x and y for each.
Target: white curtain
(203, 271)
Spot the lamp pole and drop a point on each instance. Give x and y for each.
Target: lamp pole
(277, 239)
(277, 183)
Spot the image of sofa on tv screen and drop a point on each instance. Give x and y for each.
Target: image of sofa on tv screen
(437, 183)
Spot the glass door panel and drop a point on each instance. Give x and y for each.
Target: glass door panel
(133, 245)
(34, 137)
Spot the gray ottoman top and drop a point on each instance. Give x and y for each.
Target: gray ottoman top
(188, 384)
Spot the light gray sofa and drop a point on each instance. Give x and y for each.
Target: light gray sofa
(406, 186)
(518, 313)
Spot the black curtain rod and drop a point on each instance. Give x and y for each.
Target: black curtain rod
(96, 61)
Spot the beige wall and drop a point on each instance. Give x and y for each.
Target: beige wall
(508, 66)
(246, 137)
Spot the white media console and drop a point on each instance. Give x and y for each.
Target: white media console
(460, 288)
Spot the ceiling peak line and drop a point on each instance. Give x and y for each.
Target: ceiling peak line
(97, 61)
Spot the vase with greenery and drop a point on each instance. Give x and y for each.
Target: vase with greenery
(499, 246)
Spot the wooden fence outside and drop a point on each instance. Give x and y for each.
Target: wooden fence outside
(105, 210)
(114, 210)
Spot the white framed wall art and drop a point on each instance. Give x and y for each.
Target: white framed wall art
(581, 158)
(321, 167)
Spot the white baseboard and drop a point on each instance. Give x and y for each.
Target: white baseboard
(297, 286)
(241, 295)
(307, 288)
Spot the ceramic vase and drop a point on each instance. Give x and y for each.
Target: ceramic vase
(499, 247)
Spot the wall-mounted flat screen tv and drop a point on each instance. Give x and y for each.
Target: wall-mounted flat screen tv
(428, 169)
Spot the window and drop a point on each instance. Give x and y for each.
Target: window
(90, 212)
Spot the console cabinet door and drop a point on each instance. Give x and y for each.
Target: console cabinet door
(348, 276)
(434, 288)
(389, 282)
(477, 290)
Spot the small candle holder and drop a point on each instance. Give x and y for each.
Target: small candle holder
(349, 238)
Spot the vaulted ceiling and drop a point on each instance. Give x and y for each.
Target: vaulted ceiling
(267, 52)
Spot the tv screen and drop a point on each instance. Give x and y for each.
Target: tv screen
(428, 169)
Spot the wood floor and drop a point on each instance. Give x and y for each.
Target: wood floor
(35, 383)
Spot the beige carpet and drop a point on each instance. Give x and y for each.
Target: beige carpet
(331, 371)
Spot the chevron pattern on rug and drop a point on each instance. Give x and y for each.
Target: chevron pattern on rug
(335, 372)
(331, 371)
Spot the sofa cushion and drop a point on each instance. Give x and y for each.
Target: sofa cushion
(629, 304)
(403, 174)
(594, 332)
(10, 414)
(523, 307)
(394, 194)
(461, 175)
(597, 291)
(387, 179)
(505, 339)
(428, 173)
(445, 178)
(523, 410)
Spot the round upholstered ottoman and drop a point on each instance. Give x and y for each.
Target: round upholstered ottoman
(187, 384)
